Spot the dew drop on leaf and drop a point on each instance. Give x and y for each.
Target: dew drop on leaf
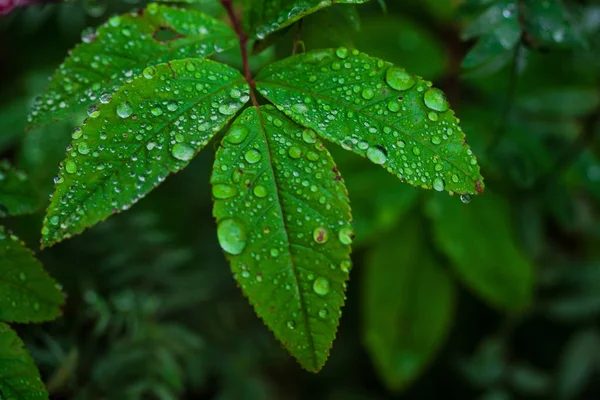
(346, 235)
(399, 79)
(222, 191)
(124, 109)
(156, 111)
(253, 156)
(321, 235)
(465, 198)
(291, 325)
(237, 134)
(346, 266)
(436, 100)
(367, 93)
(377, 155)
(342, 52)
(71, 166)
(438, 184)
(232, 236)
(321, 286)
(260, 191)
(323, 313)
(295, 152)
(182, 152)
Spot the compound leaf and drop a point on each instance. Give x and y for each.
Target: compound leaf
(284, 221)
(266, 16)
(152, 126)
(120, 49)
(479, 240)
(19, 378)
(378, 111)
(17, 194)
(408, 306)
(28, 293)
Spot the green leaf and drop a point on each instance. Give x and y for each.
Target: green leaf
(19, 378)
(479, 240)
(284, 220)
(378, 111)
(28, 293)
(153, 125)
(17, 194)
(408, 306)
(120, 49)
(577, 363)
(551, 24)
(266, 16)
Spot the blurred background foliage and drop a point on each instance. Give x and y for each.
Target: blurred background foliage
(495, 299)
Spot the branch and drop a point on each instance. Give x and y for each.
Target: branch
(243, 39)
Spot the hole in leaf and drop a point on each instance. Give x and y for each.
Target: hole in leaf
(166, 34)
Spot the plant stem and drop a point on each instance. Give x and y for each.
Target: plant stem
(243, 39)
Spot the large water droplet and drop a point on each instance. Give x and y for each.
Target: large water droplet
(182, 152)
(367, 93)
(438, 184)
(124, 109)
(259, 191)
(399, 79)
(237, 134)
(346, 235)
(321, 235)
(253, 156)
(436, 100)
(466, 198)
(222, 191)
(295, 152)
(232, 236)
(321, 286)
(377, 154)
(342, 52)
(71, 166)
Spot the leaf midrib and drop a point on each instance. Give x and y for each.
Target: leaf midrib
(303, 309)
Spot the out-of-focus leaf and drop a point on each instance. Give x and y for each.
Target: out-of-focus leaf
(561, 101)
(332, 26)
(408, 304)
(168, 114)
(577, 363)
(266, 16)
(529, 381)
(12, 121)
(17, 194)
(284, 221)
(19, 378)
(109, 56)
(28, 293)
(402, 42)
(378, 111)
(478, 238)
(486, 367)
(551, 24)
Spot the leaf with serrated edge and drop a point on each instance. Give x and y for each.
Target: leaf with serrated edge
(408, 305)
(17, 194)
(480, 242)
(266, 16)
(19, 378)
(120, 49)
(283, 218)
(28, 293)
(376, 110)
(153, 126)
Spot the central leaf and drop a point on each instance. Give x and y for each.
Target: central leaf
(152, 126)
(284, 220)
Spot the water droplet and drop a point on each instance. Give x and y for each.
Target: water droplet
(416, 150)
(83, 148)
(295, 152)
(346, 235)
(149, 72)
(309, 136)
(321, 235)
(172, 106)
(291, 325)
(377, 154)
(367, 93)
(274, 252)
(466, 198)
(436, 140)
(321, 286)
(232, 236)
(77, 133)
(260, 191)
(182, 152)
(253, 156)
(156, 111)
(432, 116)
(71, 166)
(222, 191)
(342, 52)
(237, 134)
(346, 266)
(323, 313)
(93, 111)
(124, 109)
(436, 100)
(455, 178)
(105, 98)
(394, 106)
(438, 184)
(399, 79)
(54, 220)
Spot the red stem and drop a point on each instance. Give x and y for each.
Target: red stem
(243, 38)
